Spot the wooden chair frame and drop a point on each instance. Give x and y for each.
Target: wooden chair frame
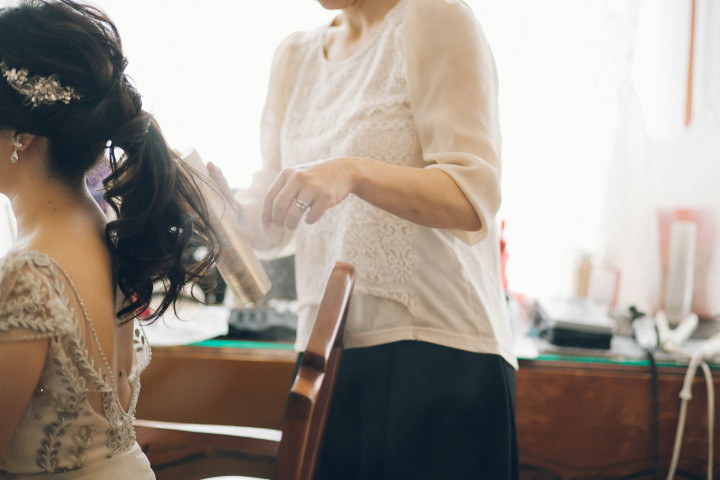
(296, 451)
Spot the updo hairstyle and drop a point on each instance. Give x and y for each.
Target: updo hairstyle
(159, 211)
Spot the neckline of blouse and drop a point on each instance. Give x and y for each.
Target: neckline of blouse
(367, 47)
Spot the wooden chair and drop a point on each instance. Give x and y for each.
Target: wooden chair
(295, 450)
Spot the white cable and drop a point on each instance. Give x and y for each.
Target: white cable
(709, 350)
(670, 341)
(685, 395)
(678, 440)
(711, 417)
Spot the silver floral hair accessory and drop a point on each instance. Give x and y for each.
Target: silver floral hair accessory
(37, 90)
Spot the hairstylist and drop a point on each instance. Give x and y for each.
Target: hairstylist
(381, 148)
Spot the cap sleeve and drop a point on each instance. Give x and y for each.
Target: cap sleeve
(31, 300)
(452, 82)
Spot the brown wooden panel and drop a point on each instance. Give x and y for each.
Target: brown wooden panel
(225, 386)
(580, 421)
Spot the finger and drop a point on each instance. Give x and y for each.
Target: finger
(219, 179)
(283, 206)
(297, 211)
(318, 209)
(266, 216)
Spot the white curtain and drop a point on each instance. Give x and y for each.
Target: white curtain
(662, 169)
(560, 64)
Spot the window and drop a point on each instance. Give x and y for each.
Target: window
(568, 72)
(203, 71)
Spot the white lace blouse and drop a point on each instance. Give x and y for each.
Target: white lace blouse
(74, 425)
(422, 94)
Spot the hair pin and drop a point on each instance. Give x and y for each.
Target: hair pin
(37, 90)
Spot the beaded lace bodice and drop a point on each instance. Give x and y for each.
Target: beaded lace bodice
(75, 417)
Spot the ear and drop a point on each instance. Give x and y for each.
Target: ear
(26, 139)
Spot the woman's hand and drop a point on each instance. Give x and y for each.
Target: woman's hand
(307, 190)
(425, 196)
(248, 213)
(220, 182)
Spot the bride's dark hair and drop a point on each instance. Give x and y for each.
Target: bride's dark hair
(159, 211)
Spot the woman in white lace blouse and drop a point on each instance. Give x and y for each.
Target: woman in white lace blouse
(381, 148)
(73, 284)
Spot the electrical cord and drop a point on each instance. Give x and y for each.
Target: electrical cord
(646, 336)
(711, 415)
(656, 414)
(697, 360)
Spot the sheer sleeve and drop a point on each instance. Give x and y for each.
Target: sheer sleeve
(453, 87)
(282, 72)
(30, 303)
(273, 115)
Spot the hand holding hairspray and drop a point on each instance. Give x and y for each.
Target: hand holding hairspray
(237, 262)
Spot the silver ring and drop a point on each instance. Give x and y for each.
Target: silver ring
(304, 207)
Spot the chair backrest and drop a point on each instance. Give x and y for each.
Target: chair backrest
(306, 412)
(311, 393)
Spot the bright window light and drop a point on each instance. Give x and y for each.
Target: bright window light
(203, 70)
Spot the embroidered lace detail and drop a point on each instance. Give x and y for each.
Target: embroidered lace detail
(35, 303)
(69, 405)
(121, 436)
(28, 300)
(380, 126)
(85, 363)
(82, 440)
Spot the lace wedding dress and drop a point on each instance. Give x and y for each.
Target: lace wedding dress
(74, 426)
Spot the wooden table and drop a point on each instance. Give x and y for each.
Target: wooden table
(577, 418)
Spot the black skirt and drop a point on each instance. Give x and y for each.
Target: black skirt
(416, 410)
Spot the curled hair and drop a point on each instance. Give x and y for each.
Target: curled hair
(160, 213)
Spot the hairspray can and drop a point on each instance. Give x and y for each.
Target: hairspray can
(237, 263)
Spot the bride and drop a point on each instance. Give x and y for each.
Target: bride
(73, 283)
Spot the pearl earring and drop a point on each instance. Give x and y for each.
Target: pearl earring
(15, 155)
